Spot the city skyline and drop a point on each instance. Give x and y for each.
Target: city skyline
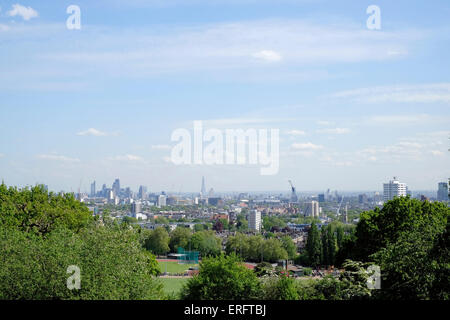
(354, 106)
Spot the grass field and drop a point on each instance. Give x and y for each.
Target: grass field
(173, 286)
(174, 267)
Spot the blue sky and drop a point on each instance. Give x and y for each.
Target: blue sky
(354, 106)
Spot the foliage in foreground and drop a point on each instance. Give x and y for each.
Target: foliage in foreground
(113, 265)
(222, 278)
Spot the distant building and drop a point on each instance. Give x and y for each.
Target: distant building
(93, 190)
(394, 189)
(254, 221)
(162, 200)
(203, 190)
(116, 187)
(362, 198)
(312, 209)
(442, 194)
(217, 202)
(142, 193)
(171, 201)
(136, 207)
(321, 198)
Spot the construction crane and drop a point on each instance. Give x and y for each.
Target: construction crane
(294, 197)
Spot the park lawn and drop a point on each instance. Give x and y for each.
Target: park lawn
(173, 267)
(173, 285)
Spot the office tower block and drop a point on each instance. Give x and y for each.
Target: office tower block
(394, 189)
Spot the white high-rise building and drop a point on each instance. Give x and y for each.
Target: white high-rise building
(312, 209)
(162, 201)
(394, 189)
(254, 221)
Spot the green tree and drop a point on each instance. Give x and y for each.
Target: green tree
(241, 222)
(222, 278)
(274, 251)
(206, 243)
(158, 241)
(112, 262)
(313, 246)
(416, 266)
(238, 244)
(380, 227)
(199, 227)
(331, 246)
(180, 237)
(290, 247)
(324, 240)
(279, 288)
(36, 210)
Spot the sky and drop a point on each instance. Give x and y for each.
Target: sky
(354, 106)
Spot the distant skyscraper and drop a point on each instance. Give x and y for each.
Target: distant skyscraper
(321, 198)
(162, 200)
(142, 193)
(116, 187)
(203, 192)
(93, 190)
(312, 209)
(394, 189)
(254, 221)
(442, 194)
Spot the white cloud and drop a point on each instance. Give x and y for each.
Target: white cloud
(324, 123)
(161, 147)
(217, 123)
(25, 12)
(437, 153)
(406, 150)
(334, 131)
(296, 133)
(406, 120)
(56, 157)
(127, 157)
(268, 55)
(423, 93)
(306, 146)
(231, 46)
(343, 163)
(92, 132)
(2, 155)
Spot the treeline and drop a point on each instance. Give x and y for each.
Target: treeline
(160, 242)
(252, 248)
(257, 249)
(226, 278)
(42, 234)
(323, 246)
